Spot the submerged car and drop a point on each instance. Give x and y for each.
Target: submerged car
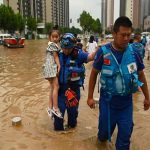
(14, 42)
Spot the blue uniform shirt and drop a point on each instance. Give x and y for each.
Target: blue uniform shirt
(117, 101)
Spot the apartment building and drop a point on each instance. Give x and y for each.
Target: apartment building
(60, 12)
(44, 11)
(110, 13)
(104, 14)
(112, 9)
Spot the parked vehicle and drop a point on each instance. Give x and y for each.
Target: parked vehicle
(108, 36)
(14, 42)
(2, 37)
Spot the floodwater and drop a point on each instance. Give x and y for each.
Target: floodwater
(24, 93)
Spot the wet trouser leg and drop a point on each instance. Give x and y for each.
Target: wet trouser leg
(72, 112)
(125, 127)
(103, 121)
(72, 116)
(58, 122)
(120, 117)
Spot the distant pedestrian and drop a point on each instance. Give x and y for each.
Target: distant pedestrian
(79, 44)
(148, 49)
(91, 45)
(51, 70)
(137, 46)
(144, 41)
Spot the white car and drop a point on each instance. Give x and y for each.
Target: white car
(108, 36)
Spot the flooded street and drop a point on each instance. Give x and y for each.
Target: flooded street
(24, 93)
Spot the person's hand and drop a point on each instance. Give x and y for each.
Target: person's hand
(91, 102)
(146, 104)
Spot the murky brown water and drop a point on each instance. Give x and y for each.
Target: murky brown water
(24, 92)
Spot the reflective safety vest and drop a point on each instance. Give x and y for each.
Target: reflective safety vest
(119, 79)
(71, 72)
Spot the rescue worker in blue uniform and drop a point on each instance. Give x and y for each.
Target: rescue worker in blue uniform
(121, 73)
(71, 78)
(137, 46)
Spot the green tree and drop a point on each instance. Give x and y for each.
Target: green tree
(20, 22)
(85, 21)
(89, 24)
(75, 30)
(72, 30)
(48, 27)
(7, 18)
(31, 24)
(137, 31)
(96, 26)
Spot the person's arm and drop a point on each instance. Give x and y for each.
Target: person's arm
(86, 47)
(92, 55)
(92, 82)
(56, 59)
(96, 45)
(144, 90)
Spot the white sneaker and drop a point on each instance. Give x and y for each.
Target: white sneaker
(57, 112)
(50, 113)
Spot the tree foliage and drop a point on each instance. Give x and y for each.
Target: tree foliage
(48, 27)
(96, 26)
(89, 24)
(31, 24)
(71, 30)
(9, 20)
(20, 22)
(85, 21)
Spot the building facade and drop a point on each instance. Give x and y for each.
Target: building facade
(145, 10)
(136, 10)
(104, 14)
(147, 23)
(44, 11)
(122, 7)
(110, 13)
(136, 14)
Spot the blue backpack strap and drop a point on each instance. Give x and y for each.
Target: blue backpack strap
(105, 51)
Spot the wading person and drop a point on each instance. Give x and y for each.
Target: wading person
(121, 73)
(136, 45)
(91, 45)
(71, 78)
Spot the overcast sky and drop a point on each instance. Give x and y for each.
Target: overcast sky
(77, 7)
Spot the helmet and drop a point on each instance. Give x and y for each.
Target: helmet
(67, 40)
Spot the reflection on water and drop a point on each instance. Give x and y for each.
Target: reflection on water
(24, 92)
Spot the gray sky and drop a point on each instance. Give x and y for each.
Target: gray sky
(77, 7)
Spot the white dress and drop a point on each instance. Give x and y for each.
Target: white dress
(50, 66)
(91, 47)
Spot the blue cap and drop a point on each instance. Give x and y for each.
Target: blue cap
(67, 41)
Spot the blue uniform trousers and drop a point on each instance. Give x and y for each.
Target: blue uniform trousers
(72, 112)
(122, 118)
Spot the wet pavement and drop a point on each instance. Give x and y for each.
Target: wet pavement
(24, 93)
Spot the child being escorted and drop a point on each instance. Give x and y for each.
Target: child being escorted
(51, 70)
